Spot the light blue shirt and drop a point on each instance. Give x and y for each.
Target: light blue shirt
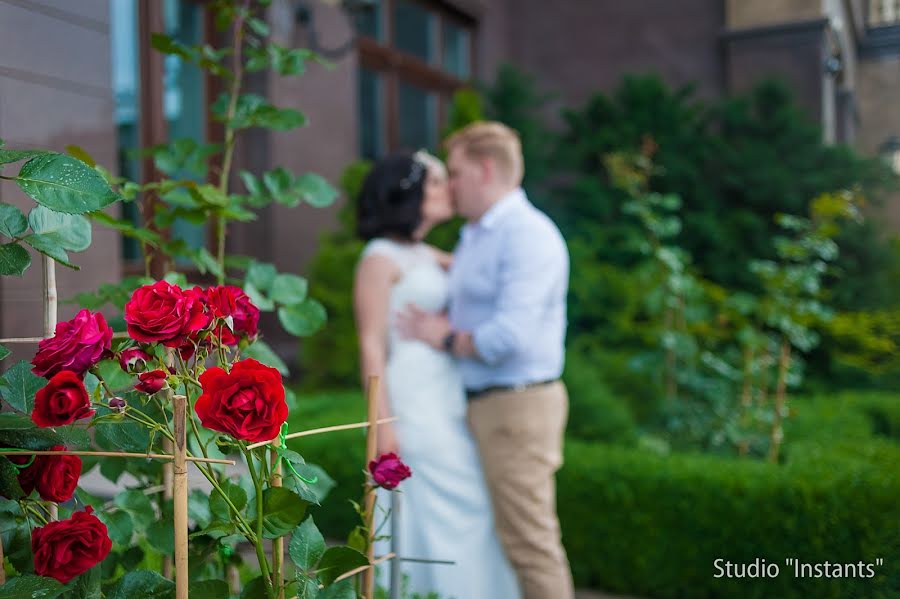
(508, 286)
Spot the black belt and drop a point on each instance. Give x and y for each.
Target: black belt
(473, 394)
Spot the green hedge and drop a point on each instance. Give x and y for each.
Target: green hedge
(652, 525)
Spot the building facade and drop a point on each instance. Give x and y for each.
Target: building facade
(84, 73)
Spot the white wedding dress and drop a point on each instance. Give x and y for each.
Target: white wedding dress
(445, 511)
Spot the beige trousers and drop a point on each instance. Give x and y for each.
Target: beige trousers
(520, 437)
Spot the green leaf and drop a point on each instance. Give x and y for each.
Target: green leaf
(302, 320)
(258, 298)
(198, 508)
(289, 289)
(120, 525)
(315, 190)
(341, 590)
(217, 505)
(20, 385)
(127, 228)
(81, 154)
(263, 353)
(143, 584)
(315, 493)
(65, 184)
(50, 246)
(29, 585)
(108, 293)
(207, 263)
(259, 27)
(279, 183)
(4, 352)
(10, 156)
(216, 529)
(161, 536)
(262, 275)
(283, 509)
(14, 259)
(255, 589)
(138, 505)
(307, 588)
(9, 482)
(254, 187)
(87, 586)
(71, 231)
(307, 545)
(252, 110)
(124, 436)
(12, 221)
(337, 561)
(209, 589)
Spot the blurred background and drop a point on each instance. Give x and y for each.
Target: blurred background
(725, 173)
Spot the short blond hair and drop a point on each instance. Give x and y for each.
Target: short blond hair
(490, 139)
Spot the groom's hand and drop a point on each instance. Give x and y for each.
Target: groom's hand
(414, 323)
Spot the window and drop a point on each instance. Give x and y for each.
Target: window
(414, 55)
(178, 95)
(884, 13)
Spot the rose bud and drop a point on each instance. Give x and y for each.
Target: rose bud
(118, 404)
(388, 470)
(134, 360)
(151, 382)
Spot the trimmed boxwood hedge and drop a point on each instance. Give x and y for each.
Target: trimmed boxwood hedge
(652, 525)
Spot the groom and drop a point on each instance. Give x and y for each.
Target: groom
(506, 325)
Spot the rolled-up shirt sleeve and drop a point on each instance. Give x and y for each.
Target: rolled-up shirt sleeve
(528, 278)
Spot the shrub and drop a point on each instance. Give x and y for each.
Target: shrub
(652, 525)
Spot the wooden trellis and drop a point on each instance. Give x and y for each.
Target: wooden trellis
(175, 480)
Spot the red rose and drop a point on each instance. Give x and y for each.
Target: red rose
(163, 313)
(68, 548)
(151, 382)
(134, 359)
(64, 400)
(388, 470)
(76, 345)
(229, 302)
(54, 476)
(247, 403)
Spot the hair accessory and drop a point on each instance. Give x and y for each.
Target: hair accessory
(414, 176)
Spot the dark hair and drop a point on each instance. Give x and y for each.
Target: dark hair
(390, 202)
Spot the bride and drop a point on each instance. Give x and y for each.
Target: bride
(446, 511)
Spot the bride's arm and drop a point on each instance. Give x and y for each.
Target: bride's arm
(371, 300)
(445, 259)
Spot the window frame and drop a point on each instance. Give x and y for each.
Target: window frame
(152, 126)
(394, 65)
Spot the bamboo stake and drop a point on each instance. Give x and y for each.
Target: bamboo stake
(360, 569)
(371, 450)
(168, 471)
(50, 319)
(327, 429)
(278, 543)
(180, 497)
(116, 454)
(7, 340)
(784, 363)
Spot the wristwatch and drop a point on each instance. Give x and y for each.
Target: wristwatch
(449, 339)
